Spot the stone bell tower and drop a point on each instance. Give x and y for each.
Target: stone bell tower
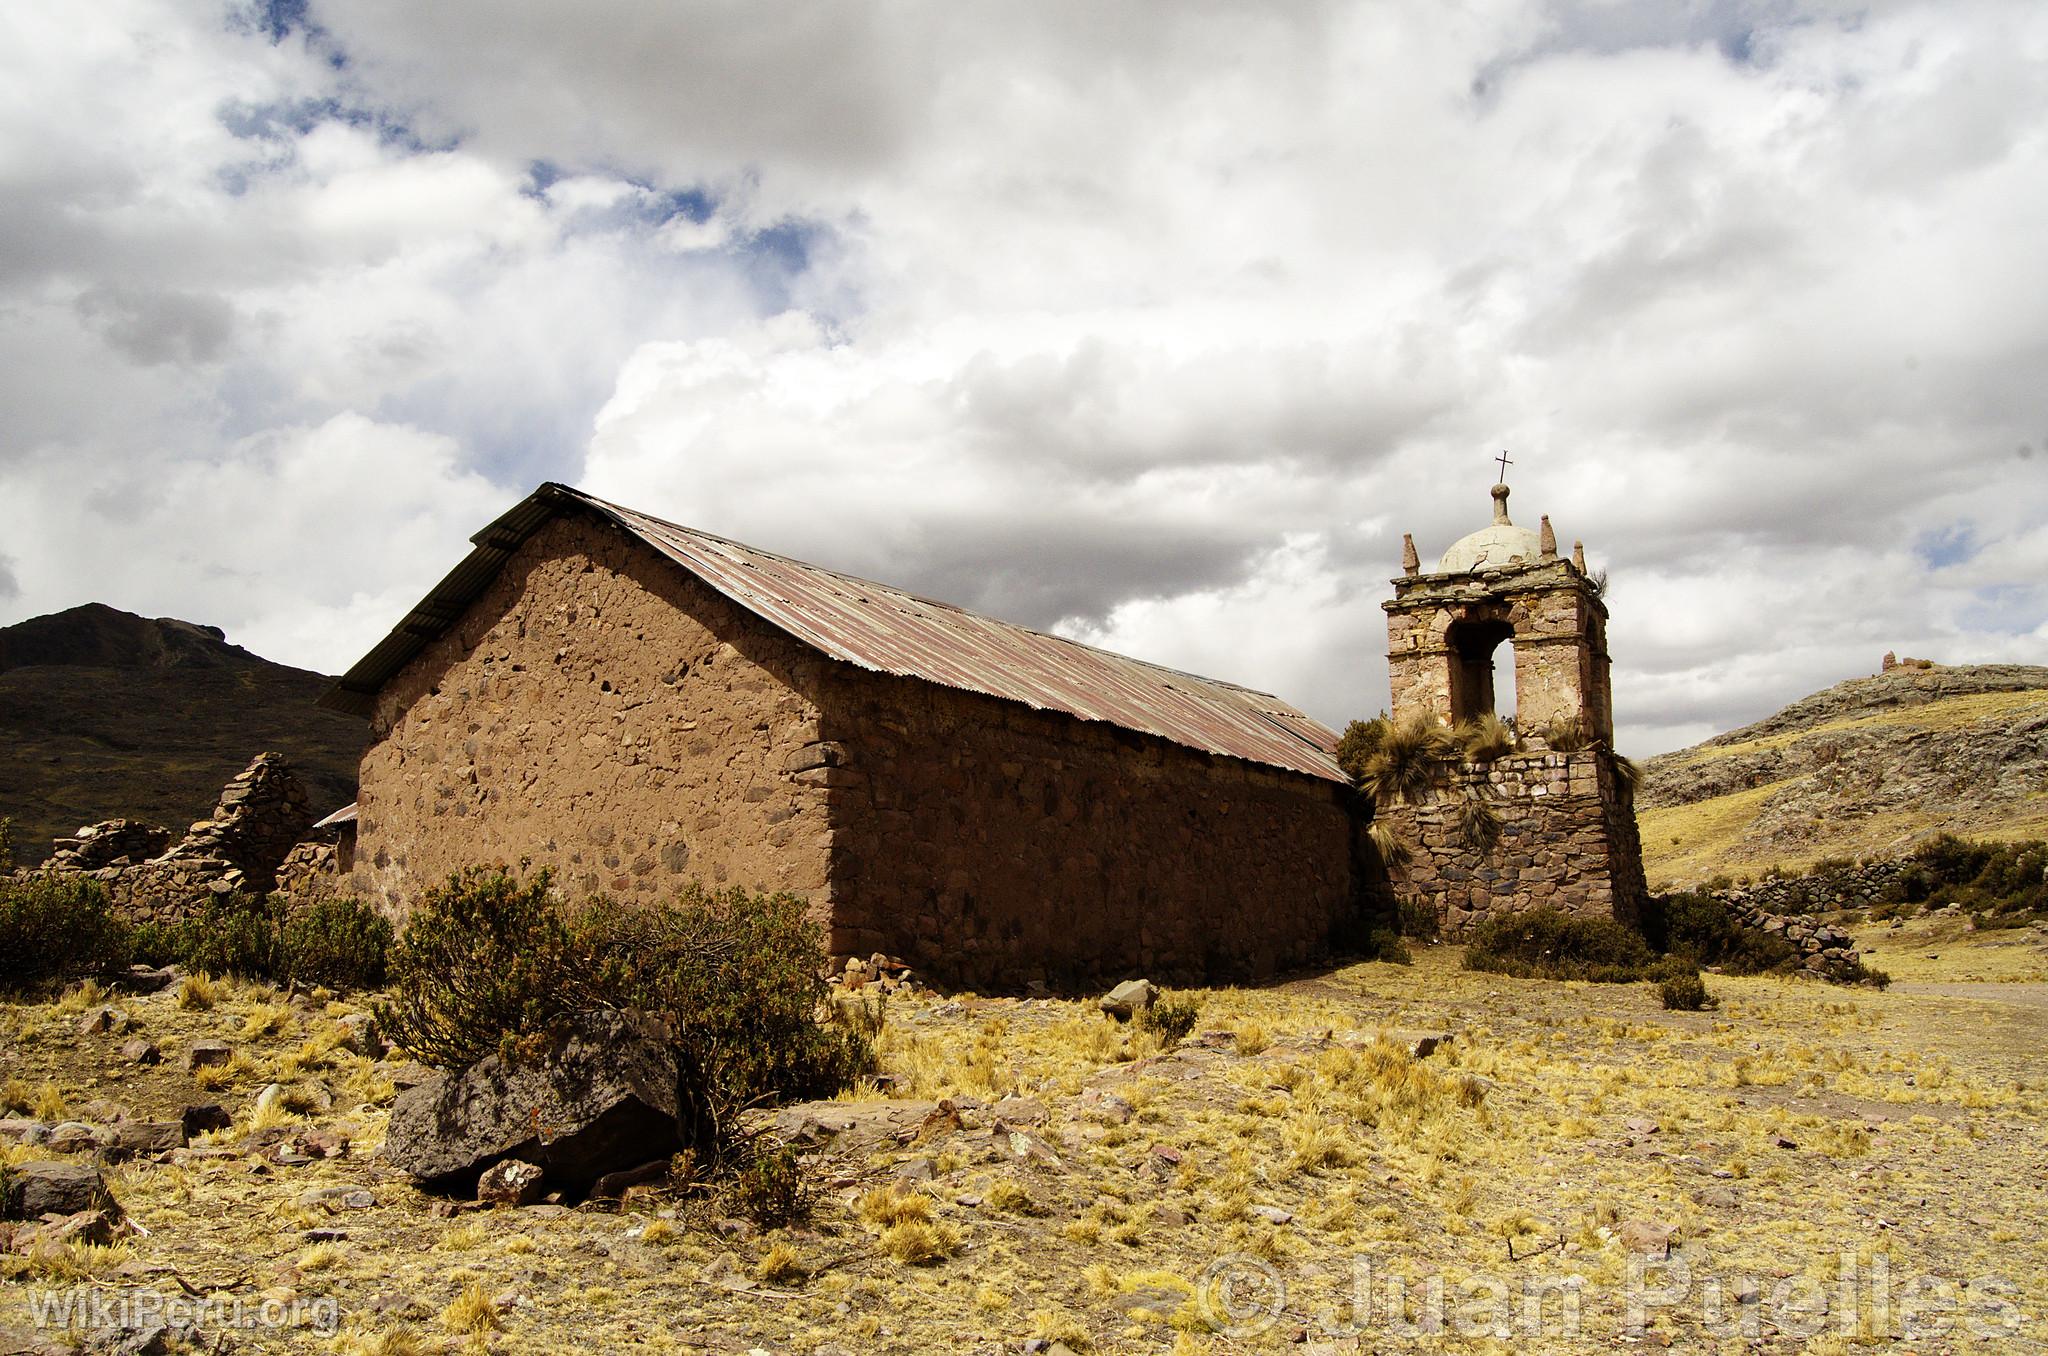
(1553, 822)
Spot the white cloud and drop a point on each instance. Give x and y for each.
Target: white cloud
(1158, 323)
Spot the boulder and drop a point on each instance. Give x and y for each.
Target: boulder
(144, 1137)
(38, 1189)
(204, 1054)
(140, 1051)
(600, 1091)
(1129, 998)
(510, 1181)
(200, 1120)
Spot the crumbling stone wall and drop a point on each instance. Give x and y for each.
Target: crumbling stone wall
(261, 816)
(603, 714)
(991, 845)
(1567, 841)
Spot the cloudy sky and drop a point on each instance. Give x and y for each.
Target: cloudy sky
(1155, 324)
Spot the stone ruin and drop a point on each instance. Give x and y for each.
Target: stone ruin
(262, 816)
(1564, 802)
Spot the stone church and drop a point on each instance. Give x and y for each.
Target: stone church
(632, 704)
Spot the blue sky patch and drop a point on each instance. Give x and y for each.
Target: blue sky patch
(1951, 545)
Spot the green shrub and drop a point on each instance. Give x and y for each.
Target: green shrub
(6, 843)
(1701, 927)
(767, 1186)
(57, 927)
(1551, 944)
(1685, 992)
(485, 960)
(1420, 921)
(236, 934)
(159, 944)
(1385, 944)
(1359, 742)
(340, 943)
(1172, 1016)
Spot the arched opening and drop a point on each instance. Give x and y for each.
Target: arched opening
(1472, 644)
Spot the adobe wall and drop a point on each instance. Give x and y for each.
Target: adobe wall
(990, 845)
(599, 712)
(1567, 841)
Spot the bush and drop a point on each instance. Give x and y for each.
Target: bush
(1686, 992)
(1385, 944)
(1171, 1017)
(1702, 928)
(6, 843)
(486, 960)
(55, 928)
(237, 934)
(1359, 742)
(1420, 920)
(341, 943)
(767, 1186)
(1550, 944)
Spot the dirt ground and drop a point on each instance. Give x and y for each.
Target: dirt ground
(1804, 1168)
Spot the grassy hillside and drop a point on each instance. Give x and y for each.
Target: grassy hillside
(104, 713)
(1868, 768)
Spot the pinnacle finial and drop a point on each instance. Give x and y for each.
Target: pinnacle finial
(1411, 564)
(1500, 506)
(1579, 556)
(1546, 540)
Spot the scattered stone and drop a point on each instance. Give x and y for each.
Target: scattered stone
(324, 1143)
(24, 1132)
(1718, 1198)
(208, 1054)
(1169, 1216)
(324, 1236)
(364, 1037)
(1780, 1142)
(944, 1119)
(38, 1189)
(616, 1184)
(204, 1119)
(270, 1101)
(1646, 1237)
(145, 1137)
(1106, 1106)
(334, 1198)
(406, 1074)
(1020, 1111)
(140, 1051)
(1129, 998)
(1425, 1046)
(75, 1137)
(1272, 1214)
(1023, 1145)
(101, 1021)
(510, 1182)
(148, 979)
(603, 1091)
(918, 1169)
(1641, 1125)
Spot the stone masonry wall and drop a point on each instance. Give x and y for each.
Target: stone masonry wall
(1567, 841)
(599, 712)
(991, 845)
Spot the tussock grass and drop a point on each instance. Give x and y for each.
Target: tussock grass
(471, 1312)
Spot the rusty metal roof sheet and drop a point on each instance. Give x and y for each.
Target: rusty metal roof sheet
(345, 815)
(887, 630)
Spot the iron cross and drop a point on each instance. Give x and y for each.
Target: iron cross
(1504, 464)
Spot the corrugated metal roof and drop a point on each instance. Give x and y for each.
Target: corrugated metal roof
(345, 815)
(887, 630)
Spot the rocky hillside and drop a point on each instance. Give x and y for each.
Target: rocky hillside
(104, 713)
(1866, 768)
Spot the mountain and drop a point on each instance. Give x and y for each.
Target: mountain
(1865, 769)
(104, 714)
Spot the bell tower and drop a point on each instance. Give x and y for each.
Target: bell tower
(1552, 822)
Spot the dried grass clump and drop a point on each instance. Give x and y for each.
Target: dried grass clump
(471, 1312)
(1411, 760)
(1485, 738)
(914, 1242)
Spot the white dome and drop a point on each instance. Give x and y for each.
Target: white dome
(1490, 548)
(1495, 546)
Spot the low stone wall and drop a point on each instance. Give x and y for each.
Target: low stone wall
(1849, 887)
(1567, 841)
(1825, 951)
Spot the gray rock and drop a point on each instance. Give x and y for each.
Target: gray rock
(1129, 998)
(1272, 1214)
(603, 1091)
(205, 1054)
(145, 1137)
(510, 1182)
(140, 1051)
(38, 1189)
